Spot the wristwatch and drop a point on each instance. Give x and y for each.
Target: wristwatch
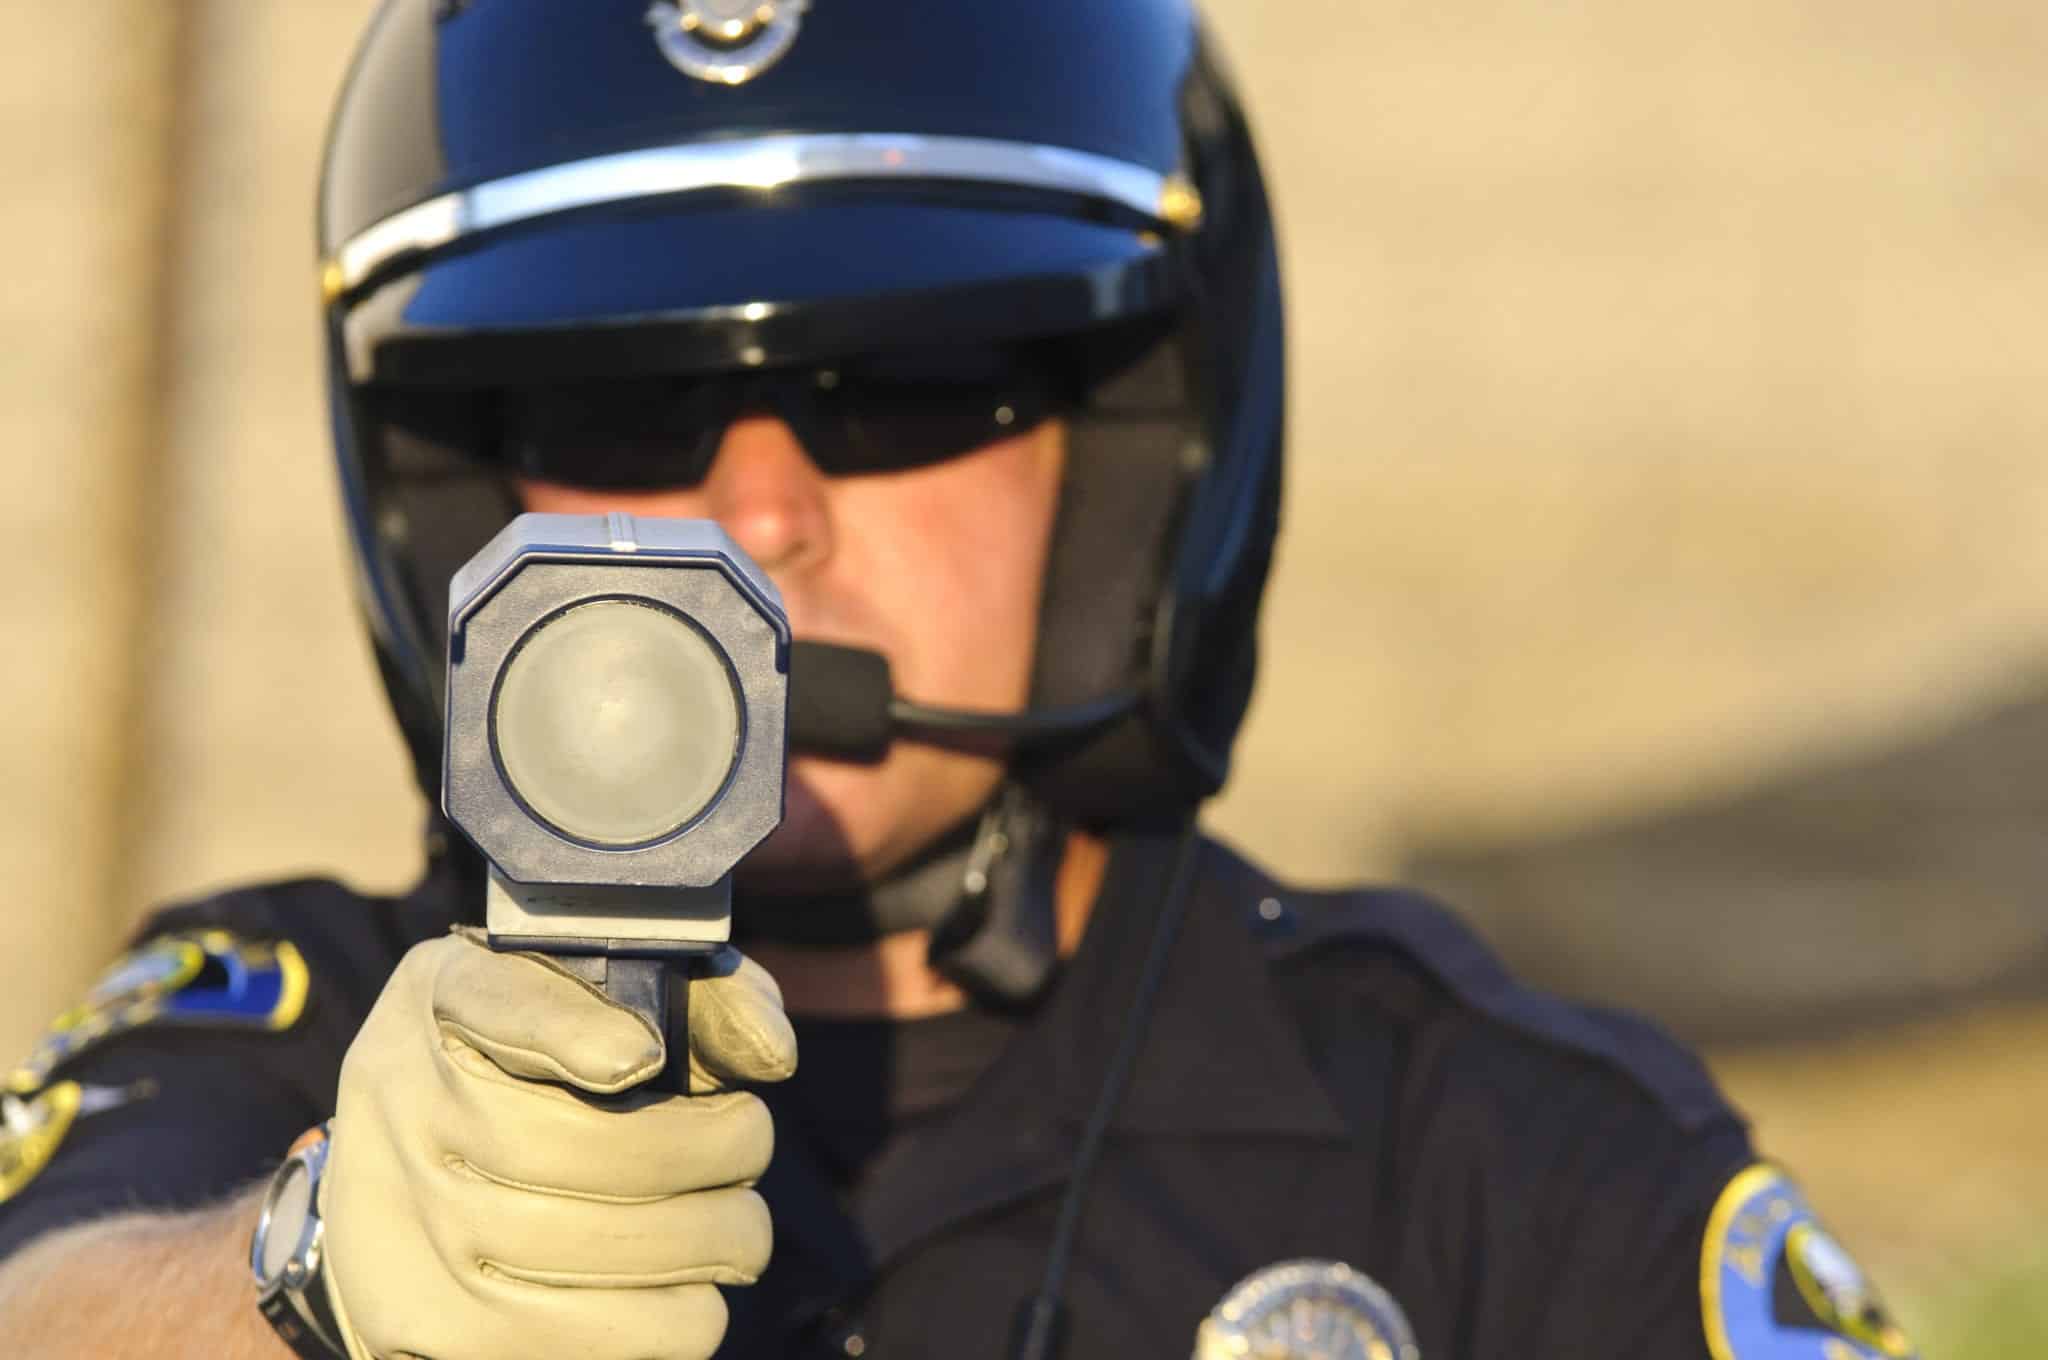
(285, 1255)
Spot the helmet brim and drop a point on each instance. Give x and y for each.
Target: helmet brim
(614, 293)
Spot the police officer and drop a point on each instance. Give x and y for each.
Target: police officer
(964, 320)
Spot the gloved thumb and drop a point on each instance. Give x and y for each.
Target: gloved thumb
(738, 1030)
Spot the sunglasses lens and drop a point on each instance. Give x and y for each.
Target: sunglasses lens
(878, 416)
(615, 435)
(893, 425)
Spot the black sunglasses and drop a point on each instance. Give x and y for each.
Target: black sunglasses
(876, 415)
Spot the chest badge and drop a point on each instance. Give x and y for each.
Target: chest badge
(727, 42)
(1307, 1310)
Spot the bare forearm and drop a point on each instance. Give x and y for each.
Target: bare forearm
(161, 1286)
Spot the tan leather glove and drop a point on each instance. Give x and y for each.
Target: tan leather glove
(476, 1208)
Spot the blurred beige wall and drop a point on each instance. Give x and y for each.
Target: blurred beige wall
(86, 162)
(187, 701)
(265, 748)
(1669, 410)
(1671, 399)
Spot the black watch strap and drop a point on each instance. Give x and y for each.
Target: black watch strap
(301, 1333)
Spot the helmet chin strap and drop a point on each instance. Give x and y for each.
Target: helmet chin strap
(985, 891)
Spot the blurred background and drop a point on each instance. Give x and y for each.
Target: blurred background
(1665, 578)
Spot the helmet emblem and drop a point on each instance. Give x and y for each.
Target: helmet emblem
(727, 42)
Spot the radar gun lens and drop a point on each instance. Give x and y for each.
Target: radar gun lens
(617, 722)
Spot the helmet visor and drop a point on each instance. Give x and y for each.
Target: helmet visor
(620, 293)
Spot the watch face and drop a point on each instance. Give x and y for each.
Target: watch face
(285, 1213)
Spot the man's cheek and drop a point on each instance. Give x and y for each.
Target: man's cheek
(846, 610)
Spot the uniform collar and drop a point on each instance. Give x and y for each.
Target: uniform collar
(1221, 1057)
(1221, 1054)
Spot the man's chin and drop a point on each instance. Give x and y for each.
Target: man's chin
(846, 825)
(811, 853)
(796, 877)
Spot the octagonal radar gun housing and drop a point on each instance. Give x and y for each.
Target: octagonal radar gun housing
(617, 695)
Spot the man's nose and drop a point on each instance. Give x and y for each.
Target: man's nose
(770, 496)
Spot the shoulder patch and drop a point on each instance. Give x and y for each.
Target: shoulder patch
(33, 1128)
(208, 978)
(31, 1132)
(1775, 1286)
(1446, 949)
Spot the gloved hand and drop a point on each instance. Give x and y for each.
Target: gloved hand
(477, 1210)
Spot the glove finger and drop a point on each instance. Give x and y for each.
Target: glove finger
(680, 1322)
(535, 1020)
(505, 1319)
(525, 1134)
(738, 1030)
(710, 1237)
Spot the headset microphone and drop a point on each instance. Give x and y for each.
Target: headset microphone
(842, 703)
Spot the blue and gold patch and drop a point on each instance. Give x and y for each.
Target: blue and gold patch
(30, 1131)
(1775, 1286)
(31, 1128)
(209, 978)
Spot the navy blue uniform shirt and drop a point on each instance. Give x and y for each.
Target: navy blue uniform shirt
(1345, 1078)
